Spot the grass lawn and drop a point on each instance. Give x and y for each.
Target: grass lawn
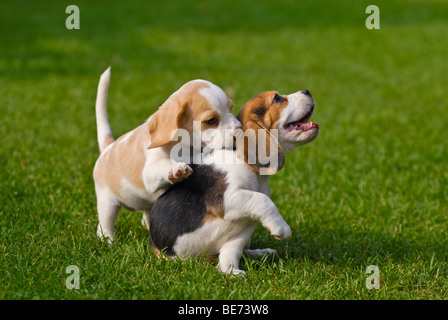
(370, 190)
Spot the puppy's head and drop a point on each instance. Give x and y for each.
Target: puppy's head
(284, 119)
(198, 106)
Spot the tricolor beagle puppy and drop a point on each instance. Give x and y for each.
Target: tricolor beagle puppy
(136, 169)
(215, 210)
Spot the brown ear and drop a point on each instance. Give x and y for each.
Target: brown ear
(164, 122)
(259, 147)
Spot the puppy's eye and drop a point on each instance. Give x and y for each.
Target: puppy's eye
(212, 121)
(278, 98)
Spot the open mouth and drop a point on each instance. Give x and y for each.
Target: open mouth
(302, 124)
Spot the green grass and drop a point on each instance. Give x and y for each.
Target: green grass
(370, 190)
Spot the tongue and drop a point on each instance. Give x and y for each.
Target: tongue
(308, 126)
(303, 126)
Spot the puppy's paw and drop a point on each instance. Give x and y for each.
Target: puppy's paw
(239, 273)
(104, 234)
(230, 269)
(179, 172)
(280, 230)
(234, 272)
(260, 253)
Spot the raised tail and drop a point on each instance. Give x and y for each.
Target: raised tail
(105, 136)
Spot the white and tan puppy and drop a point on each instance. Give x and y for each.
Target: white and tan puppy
(136, 169)
(216, 209)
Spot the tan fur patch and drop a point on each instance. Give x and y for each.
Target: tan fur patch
(179, 111)
(272, 110)
(214, 199)
(260, 113)
(125, 158)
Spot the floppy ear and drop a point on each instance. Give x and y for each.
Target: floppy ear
(164, 122)
(258, 145)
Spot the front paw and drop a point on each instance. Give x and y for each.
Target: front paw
(179, 172)
(279, 230)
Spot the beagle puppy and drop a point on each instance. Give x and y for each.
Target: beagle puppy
(215, 210)
(136, 169)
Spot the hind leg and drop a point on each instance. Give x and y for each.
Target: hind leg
(230, 253)
(107, 206)
(145, 219)
(259, 253)
(229, 257)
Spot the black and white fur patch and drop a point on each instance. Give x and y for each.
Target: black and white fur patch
(186, 206)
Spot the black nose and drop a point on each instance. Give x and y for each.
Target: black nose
(306, 92)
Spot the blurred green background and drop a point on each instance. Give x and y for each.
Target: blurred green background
(371, 189)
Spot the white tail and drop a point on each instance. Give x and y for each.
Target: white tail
(105, 136)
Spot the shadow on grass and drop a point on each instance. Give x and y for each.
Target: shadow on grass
(361, 249)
